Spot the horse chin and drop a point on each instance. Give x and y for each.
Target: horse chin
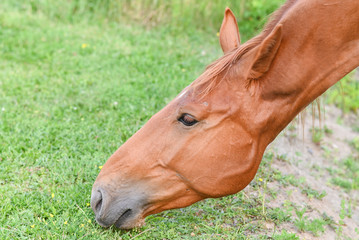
(135, 221)
(126, 221)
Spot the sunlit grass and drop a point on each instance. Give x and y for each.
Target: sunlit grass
(71, 92)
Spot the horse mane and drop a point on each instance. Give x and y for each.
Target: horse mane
(210, 78)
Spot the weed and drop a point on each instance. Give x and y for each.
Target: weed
(345, 211)
(347, 176)
(328, 219)
(280, 215)
(343, 183)
(316, 226)
(342, 215)
(289, 179)
(300, 212)
(314, 193)
(283, 157)
(355, 143)
(327, 130)
(284, 235)
(327, 151)
(317, 135)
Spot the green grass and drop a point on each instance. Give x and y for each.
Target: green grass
(179, 15)
(71, 94)
(74, 85)
(346, 94)
(347, 175)
(316, 226)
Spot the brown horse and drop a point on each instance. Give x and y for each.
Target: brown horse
(209, 140)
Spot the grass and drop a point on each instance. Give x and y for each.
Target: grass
(316, 226)
(179, 15)
(70, 95)
(74, 86)
(346, 93)
(347, 175)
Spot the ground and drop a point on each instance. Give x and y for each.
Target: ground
(315, 164)
(72, 91)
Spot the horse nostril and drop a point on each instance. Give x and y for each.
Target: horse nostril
(99, 204)
(96, 201)
(123, 218)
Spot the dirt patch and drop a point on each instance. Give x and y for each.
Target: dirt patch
(315, 162)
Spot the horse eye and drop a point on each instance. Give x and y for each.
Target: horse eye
(187, 119)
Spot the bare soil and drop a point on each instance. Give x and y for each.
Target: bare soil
(312, 161)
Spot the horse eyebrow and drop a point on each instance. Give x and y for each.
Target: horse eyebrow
(210, 78)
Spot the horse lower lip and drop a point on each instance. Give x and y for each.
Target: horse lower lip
(122, 218)
(105, 225)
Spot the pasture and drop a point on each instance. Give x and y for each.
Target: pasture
(77, 80)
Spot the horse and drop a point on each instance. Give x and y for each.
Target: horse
(208, 142)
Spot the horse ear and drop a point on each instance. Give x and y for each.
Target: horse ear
(229, 33)
(266, 53)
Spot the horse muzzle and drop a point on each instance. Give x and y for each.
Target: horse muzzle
(122, 208)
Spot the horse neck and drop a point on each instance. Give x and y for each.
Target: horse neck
(320, 45)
